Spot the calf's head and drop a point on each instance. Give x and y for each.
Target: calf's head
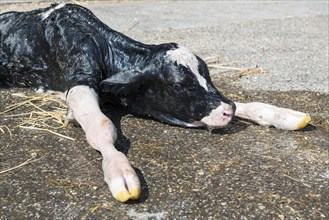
(172, 85)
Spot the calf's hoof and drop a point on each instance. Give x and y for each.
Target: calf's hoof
(121, 178)
(302, 124)
(291, 120)
(270, 115)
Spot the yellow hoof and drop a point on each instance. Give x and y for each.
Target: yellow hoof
(304, 122)
(122, 196)
(135, 193)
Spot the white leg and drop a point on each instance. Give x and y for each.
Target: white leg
(270, 115)
(101, 135)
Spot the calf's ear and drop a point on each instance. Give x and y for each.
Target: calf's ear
(124, 82)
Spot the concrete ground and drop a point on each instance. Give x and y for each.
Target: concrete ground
(268, 51)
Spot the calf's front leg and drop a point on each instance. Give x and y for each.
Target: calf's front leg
(270, 115)
(101, 135)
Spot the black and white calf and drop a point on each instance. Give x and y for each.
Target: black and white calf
(66, 48)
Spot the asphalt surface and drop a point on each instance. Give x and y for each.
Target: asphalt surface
(274, 52)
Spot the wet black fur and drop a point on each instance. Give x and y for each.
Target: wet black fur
(72, 47)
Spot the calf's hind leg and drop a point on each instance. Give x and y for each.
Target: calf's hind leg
(101, 135)
(270, 115)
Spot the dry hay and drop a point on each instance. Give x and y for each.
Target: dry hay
(44, 112)
(4, 129)
(33, 159)
(213, 62)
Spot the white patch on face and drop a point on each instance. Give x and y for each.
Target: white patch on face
(185, 57)
(46, 14)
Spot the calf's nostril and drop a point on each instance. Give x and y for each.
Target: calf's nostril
(228, 114)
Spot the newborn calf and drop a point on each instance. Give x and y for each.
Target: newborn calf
(66, 48)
